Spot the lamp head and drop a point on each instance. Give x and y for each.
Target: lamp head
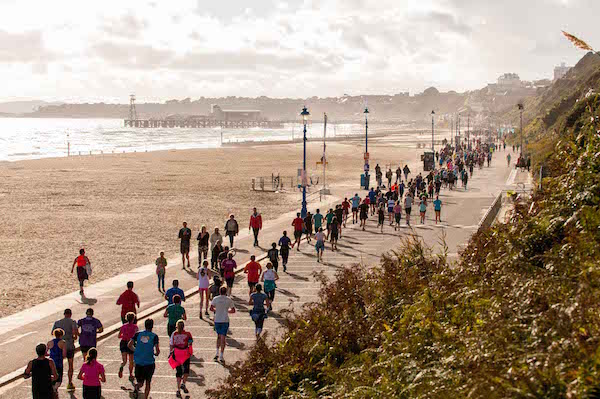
(304, 114)
(366, 111)
(432, 112)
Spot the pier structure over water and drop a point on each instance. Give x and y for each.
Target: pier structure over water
(198, 123)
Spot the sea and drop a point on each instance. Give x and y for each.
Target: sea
(34, 138)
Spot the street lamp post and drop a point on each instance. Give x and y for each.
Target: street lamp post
(432, 115)
(366, 112)
(304, 211)
(521, 107)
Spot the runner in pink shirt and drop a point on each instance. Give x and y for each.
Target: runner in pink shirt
(92, 374)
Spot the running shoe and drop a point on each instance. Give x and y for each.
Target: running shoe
(178, 394)
(221, 359)
(131, 379)
(184, 388)
(207, 314)
(216, 358)
(70, 387)
(121, 371)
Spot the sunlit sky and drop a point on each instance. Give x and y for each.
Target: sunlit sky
(87, 51)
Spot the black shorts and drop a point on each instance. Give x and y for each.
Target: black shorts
(297, 234)
(92, 392)
(229, 281)
(144, 373)
(85, 349)
(70, 353)
(407, 210)
(354, 210)
(182, 369)
(185, 247)
(252, 284)
(59, 372)
(124, 348)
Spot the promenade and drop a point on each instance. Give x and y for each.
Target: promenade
(461, 213)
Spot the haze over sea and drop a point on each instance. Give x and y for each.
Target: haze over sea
(33, 138)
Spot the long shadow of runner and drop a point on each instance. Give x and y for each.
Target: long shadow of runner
(198, 379)
(296, 277)
(88, 301)
(287, 293)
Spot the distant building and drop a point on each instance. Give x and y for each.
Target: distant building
(234, 114)
(561, 70)
(509, 80)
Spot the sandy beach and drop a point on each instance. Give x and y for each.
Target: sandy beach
(126, 208)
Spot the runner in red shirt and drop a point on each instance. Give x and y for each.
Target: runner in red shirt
(128, 301)
(253, 270)
(298, 224)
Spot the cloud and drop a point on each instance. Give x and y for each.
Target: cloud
(23, 47)
(127, 26)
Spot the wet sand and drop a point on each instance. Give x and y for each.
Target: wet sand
(124, 209)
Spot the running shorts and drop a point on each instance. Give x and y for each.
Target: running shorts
(185, 247)
(407, 210)
(252, 284)
(144, 373)
(229, 282)
(221, 328)
(298, 234)
(354, 210)
(124, 348)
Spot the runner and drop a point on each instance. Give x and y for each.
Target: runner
(89, 328)
(231, 229)
(346, 210)
(127, 332)
(216, 251)
(57, 349)
(397, 214)
(229, 266)
(144, 345)
(174, 290)
(408, 206)
(273, 255)
(508, 159)
(389, 176)
(185, 235)
(334, 233)
(319, 246)
(308, 223)
(69, 326)
(128, 301)
(339, 215)
(255, 225)
(180, 344)
(317, 220)
(174, 312)
(284, 250)
(268, 278)
(328, 219)
(161, 271)
(398, 174)
(390, 209)
(222, 306)
(203, 243)
(364, 213)
(423, 209)
(355, 205)
(372, 200)
(82, 263)
(92, 375)
(253, 270)
(42, 372)
(204, 275)
(258, 314)
(298, 224)
(437, 207)
(380, 217)
(406, 171)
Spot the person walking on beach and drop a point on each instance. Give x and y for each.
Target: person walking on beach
(57, 349)
(231, 229)
(174, 290)
(284, 249)
(255, 225)
(269, 278)
(89, 328)
(180, 345)
(161, 271)
(92, 374)
(128, 301)
(222, 306)
(258, 300)
(398, 174)
(204, 276)
(83, 263)
(273, 256)
(185, 234)
(173, 313)
(320, 245)
(308, 226)
(229, 266)
(406, 171)
(214, 259)
(127, 332)
(42, 372)
(253, 270)
(355, 205)
(203, 244)
(71, 332)
(408, 206)
(215, 238)
(298, 224)
(144, 345)
(389, 176)
(437, 207)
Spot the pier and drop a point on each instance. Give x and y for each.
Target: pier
(198, 123)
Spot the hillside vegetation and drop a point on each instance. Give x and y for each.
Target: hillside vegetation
(516, 317)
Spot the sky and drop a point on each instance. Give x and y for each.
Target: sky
(84, 51)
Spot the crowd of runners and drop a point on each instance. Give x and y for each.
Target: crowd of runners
(216, 273)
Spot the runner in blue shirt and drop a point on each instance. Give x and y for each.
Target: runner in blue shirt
(144, 345)
(355, 203)
(174, 290)
(372, 198)
(437, 207)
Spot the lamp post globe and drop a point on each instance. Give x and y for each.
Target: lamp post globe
(305, 114)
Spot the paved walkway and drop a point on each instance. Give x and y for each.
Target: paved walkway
(461, 213)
